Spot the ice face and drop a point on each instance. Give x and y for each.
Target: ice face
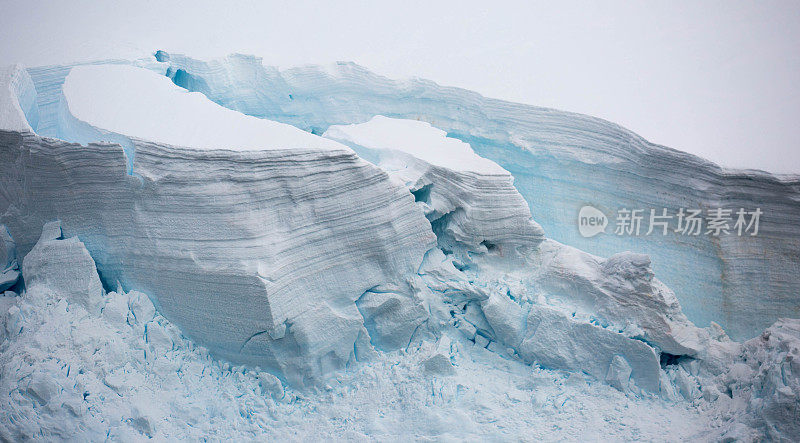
(471, 201)
(260, 255)
(8, 260)
(64, 266)
(560, 162)
(19, 111)
(307, 260)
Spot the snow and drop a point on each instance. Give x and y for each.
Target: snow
(418, 139)
(139, 103)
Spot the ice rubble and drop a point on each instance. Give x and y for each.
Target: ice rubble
(304, 260)
(771, 392)
(124, 372)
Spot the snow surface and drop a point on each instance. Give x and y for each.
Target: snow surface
(418, 139)
(138, 103)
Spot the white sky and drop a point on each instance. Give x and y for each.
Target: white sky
(715, 78)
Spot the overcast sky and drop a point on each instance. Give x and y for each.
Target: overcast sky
(715, 78)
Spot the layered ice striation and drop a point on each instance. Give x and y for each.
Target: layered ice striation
(492, 256)
(560, 162)
(402, 240)
(250, 247)
(470, 200)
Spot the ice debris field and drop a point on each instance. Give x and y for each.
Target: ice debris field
(220, 249)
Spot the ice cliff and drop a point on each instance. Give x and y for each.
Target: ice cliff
(560, 162)
(319, 225)
(223, 239)
(470, 200)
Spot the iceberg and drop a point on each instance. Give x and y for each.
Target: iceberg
(196, 249)
(561, 162)
(223, 239)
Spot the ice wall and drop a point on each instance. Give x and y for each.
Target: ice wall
(252, 253)
(282, 250)
(561, 162)
(278, 248)
(469, 200)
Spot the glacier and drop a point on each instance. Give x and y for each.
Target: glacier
(325, 239)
